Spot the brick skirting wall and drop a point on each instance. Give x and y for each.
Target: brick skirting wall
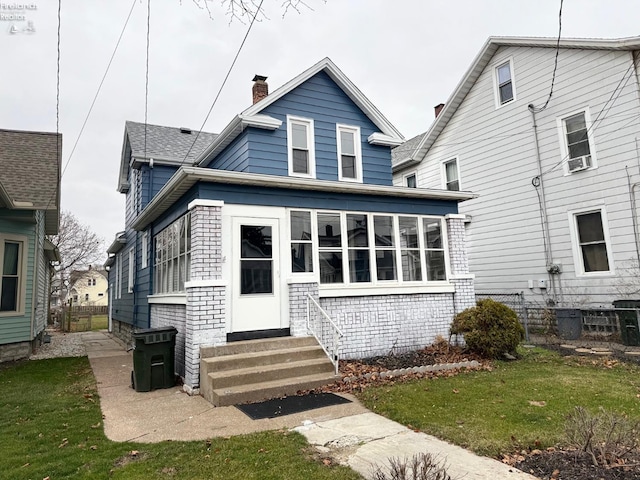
(165, 315)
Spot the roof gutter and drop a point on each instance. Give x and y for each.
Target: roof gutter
(186, 177)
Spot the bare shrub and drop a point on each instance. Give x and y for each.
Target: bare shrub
(607, 437)
(420, 467)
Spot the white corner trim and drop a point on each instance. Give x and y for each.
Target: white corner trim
(169, 299)
(378, 138)
(351, 291)
(462, 276)
(458, 216)
(201, 202)
(215, 282)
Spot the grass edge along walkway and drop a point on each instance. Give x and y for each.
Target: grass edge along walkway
(51, 426)
(517, 405)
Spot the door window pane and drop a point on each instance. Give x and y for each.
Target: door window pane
(256, 274)
(256, 241)
(256, 277)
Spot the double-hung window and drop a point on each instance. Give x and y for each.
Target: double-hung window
(505, 91)
(576, 144)
(330, 247)
(349, 153)
(301, 241)
(300, 143)
(12, 289)
(591, 242)
(385, 246)
(410, 180)
(144, 247)
(451, 174)
(132, 270)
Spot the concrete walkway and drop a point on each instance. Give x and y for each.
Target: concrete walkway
(349, 432)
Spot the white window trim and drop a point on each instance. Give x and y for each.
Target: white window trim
(131, 272)
(315, 258)
(358, 152)
(407, 175)
(350, 289)
(575, 242)
(443, 172)
(496, 84)
(145, 249)
(22, 274)
(308, 122)
(564, 148)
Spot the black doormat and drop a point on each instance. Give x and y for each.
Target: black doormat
(289, 405)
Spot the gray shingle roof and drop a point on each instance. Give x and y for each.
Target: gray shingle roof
(29, 167)
(403, 151)
(167, 143)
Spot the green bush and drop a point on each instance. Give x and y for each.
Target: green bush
(490, 329)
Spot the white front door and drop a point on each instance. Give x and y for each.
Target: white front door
(256, 274)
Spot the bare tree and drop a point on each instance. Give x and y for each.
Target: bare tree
(79, 247)
(240, 10)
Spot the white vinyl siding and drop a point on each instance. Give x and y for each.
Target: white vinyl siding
(504, 239)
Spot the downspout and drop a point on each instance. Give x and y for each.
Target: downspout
(34, 286)
(538, 184)
(634, 218)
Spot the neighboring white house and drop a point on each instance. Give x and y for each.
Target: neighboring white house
(556, 213)
(89, 288)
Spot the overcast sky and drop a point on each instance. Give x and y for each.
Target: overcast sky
(405, 56)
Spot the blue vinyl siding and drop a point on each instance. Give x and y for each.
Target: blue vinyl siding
(319, 98)
(18, 328)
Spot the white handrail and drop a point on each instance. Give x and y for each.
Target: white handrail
(332, 353)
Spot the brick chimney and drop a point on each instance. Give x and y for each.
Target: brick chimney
(260, 88)
(438, 108)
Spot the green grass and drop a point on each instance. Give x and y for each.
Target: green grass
(51, 426)
(99, 322)
(490, 411)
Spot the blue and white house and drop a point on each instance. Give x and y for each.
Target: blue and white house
(290, 209)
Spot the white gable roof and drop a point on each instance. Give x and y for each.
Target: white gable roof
(480, 63)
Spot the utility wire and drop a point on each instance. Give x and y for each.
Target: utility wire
(225, 80)
(58, 139)
(86, 119)
(555, 64)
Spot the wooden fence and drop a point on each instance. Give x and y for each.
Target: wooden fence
(79, 318)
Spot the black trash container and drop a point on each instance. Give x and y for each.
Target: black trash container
(628, 321)
(154, 359)
(569, 323)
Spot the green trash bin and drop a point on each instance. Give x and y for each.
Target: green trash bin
(153, 359)
(628, 321)
(569, 321)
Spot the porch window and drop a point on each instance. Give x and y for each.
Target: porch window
(396, 248)
(172, 261)
(301, 242)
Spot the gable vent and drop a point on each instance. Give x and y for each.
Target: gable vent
(185, 130)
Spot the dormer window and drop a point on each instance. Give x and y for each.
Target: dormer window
(300, 142)
(349, 153)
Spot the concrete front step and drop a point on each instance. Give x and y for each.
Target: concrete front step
(261, 345)
(265, 373)
(255, 370)
(256, 359)
(257, 392)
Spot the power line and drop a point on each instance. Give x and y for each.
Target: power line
(225, 79)
(58, 140)
(86, 119)
(555, 63)
(146, 81)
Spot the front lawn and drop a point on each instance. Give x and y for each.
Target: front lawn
(519, 404)
(51, 427)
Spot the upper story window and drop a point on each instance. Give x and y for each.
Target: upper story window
(300, 143)
(144, 247)
(172, 262)
(576, 142)
(451, 175)
(12, 289)
(410, 180)
(592, 248)
(505, 91)
(349, 153)
(132, 268)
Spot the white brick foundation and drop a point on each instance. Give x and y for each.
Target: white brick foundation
(298, 306)
(172, 316)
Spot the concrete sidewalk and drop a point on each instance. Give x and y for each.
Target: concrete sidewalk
(350, 433)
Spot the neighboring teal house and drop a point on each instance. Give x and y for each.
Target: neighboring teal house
(29, 210)
(285, 224)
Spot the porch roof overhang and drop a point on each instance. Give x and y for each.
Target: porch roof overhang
(186, 177)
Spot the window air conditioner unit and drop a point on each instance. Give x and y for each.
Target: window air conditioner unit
(579, 163)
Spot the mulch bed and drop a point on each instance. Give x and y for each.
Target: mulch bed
(574, 465)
